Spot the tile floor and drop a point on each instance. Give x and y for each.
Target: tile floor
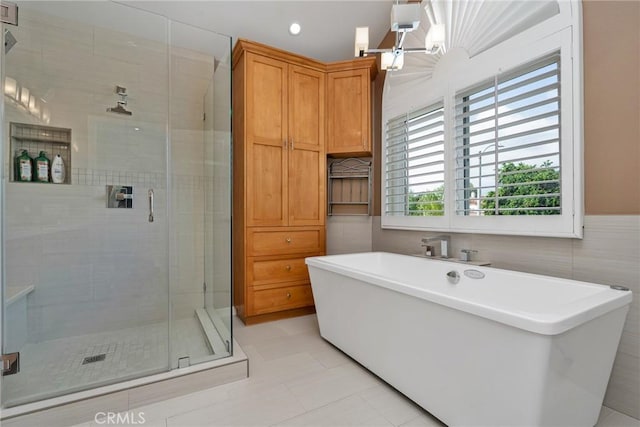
(298, 379)
(49, 366)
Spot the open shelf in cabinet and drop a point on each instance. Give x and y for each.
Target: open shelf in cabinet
(349, 187)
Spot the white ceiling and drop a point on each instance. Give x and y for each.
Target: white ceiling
(328, 27)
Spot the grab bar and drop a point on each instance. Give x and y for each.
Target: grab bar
(150, 205)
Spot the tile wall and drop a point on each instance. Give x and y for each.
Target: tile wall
(93, 269)
(348, 234)
(608, 254)
(97, 269)
(191, 76)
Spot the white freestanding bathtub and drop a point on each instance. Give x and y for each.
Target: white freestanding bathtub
(508, 349)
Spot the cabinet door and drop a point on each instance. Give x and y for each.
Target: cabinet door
(306, 146)
(348, 109)
(306, 187)
(306, 107)
(266, 138)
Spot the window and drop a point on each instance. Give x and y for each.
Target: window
(507, 137)
(507, 158)
(498, 156)
(414, 181)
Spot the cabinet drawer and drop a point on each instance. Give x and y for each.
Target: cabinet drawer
(276, 271)
(270, 300)
(282, 242)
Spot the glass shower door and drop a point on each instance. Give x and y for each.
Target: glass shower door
(218, 207)
(200, 173)
(86, 261)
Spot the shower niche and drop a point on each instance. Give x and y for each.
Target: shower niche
(37, 138)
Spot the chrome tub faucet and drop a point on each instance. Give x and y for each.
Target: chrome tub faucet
(444, 244)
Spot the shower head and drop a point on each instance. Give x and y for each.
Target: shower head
(119, 109)
(9, 41)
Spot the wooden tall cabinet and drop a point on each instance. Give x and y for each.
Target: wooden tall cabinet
(349, 107)
(279, 179)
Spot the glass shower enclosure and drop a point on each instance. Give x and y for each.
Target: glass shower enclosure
(121, 268)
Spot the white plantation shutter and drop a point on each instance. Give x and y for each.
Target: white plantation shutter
(510, 81)
(507, 138)
(414, 163)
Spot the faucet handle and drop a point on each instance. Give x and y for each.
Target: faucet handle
(466, 254)
(428, 249)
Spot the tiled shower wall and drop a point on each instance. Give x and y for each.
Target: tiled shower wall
(608, 254)
(97, 269)
(191, 76)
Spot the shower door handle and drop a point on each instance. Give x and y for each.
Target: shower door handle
(150, 205)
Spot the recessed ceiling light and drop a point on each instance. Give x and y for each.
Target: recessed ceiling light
(294, 29)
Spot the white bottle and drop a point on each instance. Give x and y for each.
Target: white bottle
(57, 170)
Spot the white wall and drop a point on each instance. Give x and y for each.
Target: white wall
(348, 234)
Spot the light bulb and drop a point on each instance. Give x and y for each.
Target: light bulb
(294, 29)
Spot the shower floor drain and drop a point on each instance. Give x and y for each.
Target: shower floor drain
(93, 359)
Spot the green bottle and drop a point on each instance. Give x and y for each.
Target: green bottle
(23, 167)
(42, 166)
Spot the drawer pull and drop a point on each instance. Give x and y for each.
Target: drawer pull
(288, 239)
(288, 268)
(288, 295)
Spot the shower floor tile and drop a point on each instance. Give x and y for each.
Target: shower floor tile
(50, 367)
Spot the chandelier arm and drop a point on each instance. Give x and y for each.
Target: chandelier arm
(393, 63)
(401, 40)
(378, 50)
